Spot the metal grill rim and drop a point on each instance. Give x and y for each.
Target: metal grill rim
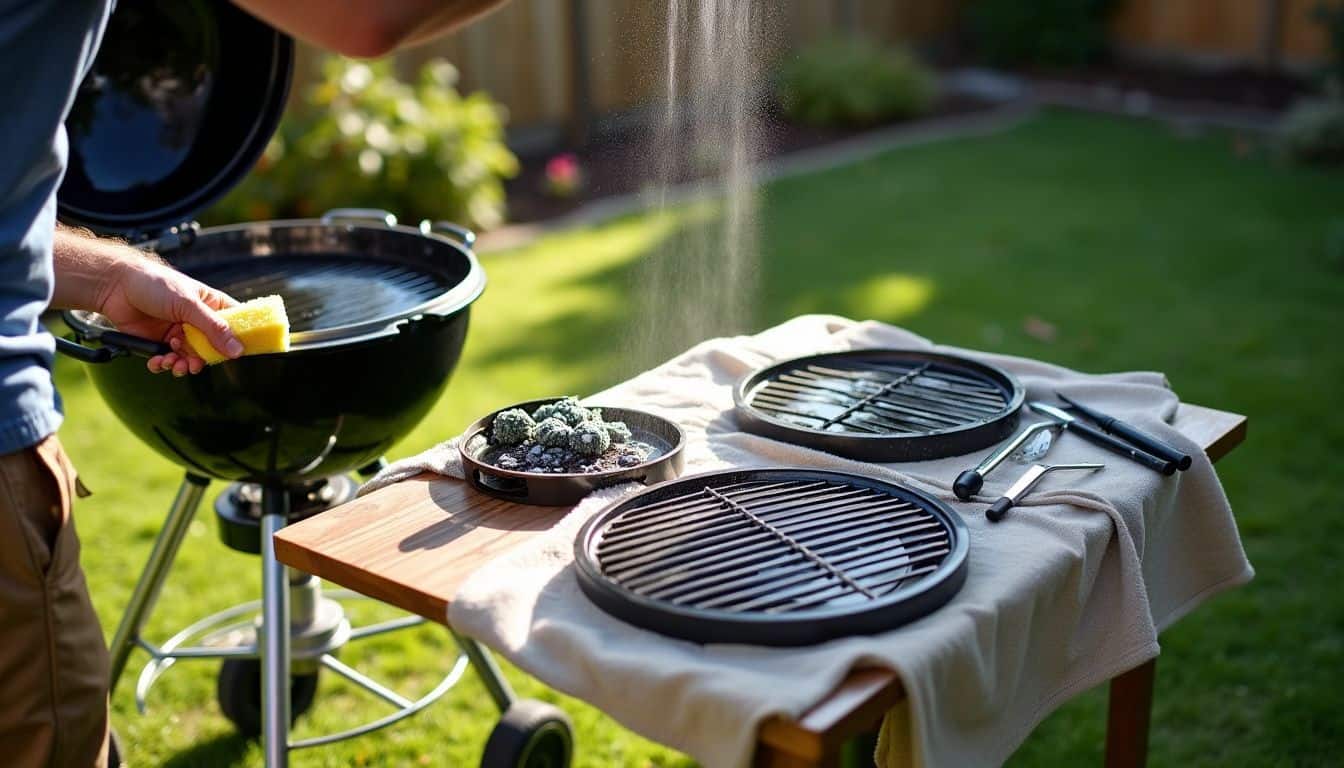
(903, 545)
(317, 290)
(882, 405)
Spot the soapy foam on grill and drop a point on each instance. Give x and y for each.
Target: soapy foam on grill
(702, 280)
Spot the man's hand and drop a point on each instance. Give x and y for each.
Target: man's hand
(367, 28)
(141, 296)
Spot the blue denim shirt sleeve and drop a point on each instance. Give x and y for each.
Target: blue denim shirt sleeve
(46, 46)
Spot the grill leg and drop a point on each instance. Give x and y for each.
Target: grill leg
(274, 645)
(486, 668)
(156, 570)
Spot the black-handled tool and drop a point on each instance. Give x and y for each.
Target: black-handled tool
(1138, 437)
(1097, 437)
(1001, 505)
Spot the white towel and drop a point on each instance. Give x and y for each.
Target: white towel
(1069, 591)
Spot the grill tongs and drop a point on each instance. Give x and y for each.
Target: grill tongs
(1166, 464)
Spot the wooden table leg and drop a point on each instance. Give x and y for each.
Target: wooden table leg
(1131, 706)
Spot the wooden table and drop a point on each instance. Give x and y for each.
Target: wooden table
(414, 544)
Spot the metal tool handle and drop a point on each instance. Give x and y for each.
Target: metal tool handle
(1024, 484)
(999, 509)
(1145, 441)
(1096, 436)
(968, 484)
(461, 233)
(337, 215)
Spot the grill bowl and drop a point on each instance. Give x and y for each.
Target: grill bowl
(355, 380)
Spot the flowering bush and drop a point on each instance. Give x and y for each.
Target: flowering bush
(363, 138)
(563, 176)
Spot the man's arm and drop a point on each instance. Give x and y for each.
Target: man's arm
(141, 295)
(367, 28)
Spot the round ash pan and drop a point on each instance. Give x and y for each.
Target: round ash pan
(549, 487)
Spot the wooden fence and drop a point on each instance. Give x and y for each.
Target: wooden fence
(560, 62)
(1262, 33)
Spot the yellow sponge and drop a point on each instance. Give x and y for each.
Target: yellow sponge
(261, 324)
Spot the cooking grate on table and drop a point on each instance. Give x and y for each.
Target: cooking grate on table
(773, 557)
(882, 405)
(323, 293)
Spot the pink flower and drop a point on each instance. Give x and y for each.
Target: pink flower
(563, 176)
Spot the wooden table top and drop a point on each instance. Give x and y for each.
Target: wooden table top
(413, 545)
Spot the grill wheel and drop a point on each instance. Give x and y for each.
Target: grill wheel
(531, 734)
(239, 692)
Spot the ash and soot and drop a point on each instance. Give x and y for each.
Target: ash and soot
(563, 438)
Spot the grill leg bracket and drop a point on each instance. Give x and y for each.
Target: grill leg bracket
(274, 634)
(492, 677)
(161, 558)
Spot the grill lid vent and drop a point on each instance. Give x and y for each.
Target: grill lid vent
(772, 557)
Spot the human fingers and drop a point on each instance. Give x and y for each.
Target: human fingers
(216, 299)
(217, 332)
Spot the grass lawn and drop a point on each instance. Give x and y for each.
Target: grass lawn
(1143, 249)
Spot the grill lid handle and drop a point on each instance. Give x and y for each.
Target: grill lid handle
(461, 233)
(337, 215)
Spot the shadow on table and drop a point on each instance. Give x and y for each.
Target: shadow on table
(467, 510)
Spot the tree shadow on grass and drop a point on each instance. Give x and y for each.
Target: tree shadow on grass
(222, 751)
(620, 331)
(639, 312)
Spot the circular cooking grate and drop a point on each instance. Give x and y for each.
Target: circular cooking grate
(772, 557)
(882, 405)
(328, 292)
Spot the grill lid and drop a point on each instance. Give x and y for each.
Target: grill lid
(179, 104)
(772, 557)
(881, 405)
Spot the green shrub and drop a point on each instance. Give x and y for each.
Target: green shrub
(1332, 18)
(1313, 132)
(1051, 33)
(363, 138)
(853, 83)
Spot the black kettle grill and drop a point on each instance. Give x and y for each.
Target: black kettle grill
(180, 103)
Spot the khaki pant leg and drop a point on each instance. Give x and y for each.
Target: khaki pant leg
(53, 659)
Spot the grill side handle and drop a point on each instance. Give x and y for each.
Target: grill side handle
(339, 215)
(114, 345)
(457, 231)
